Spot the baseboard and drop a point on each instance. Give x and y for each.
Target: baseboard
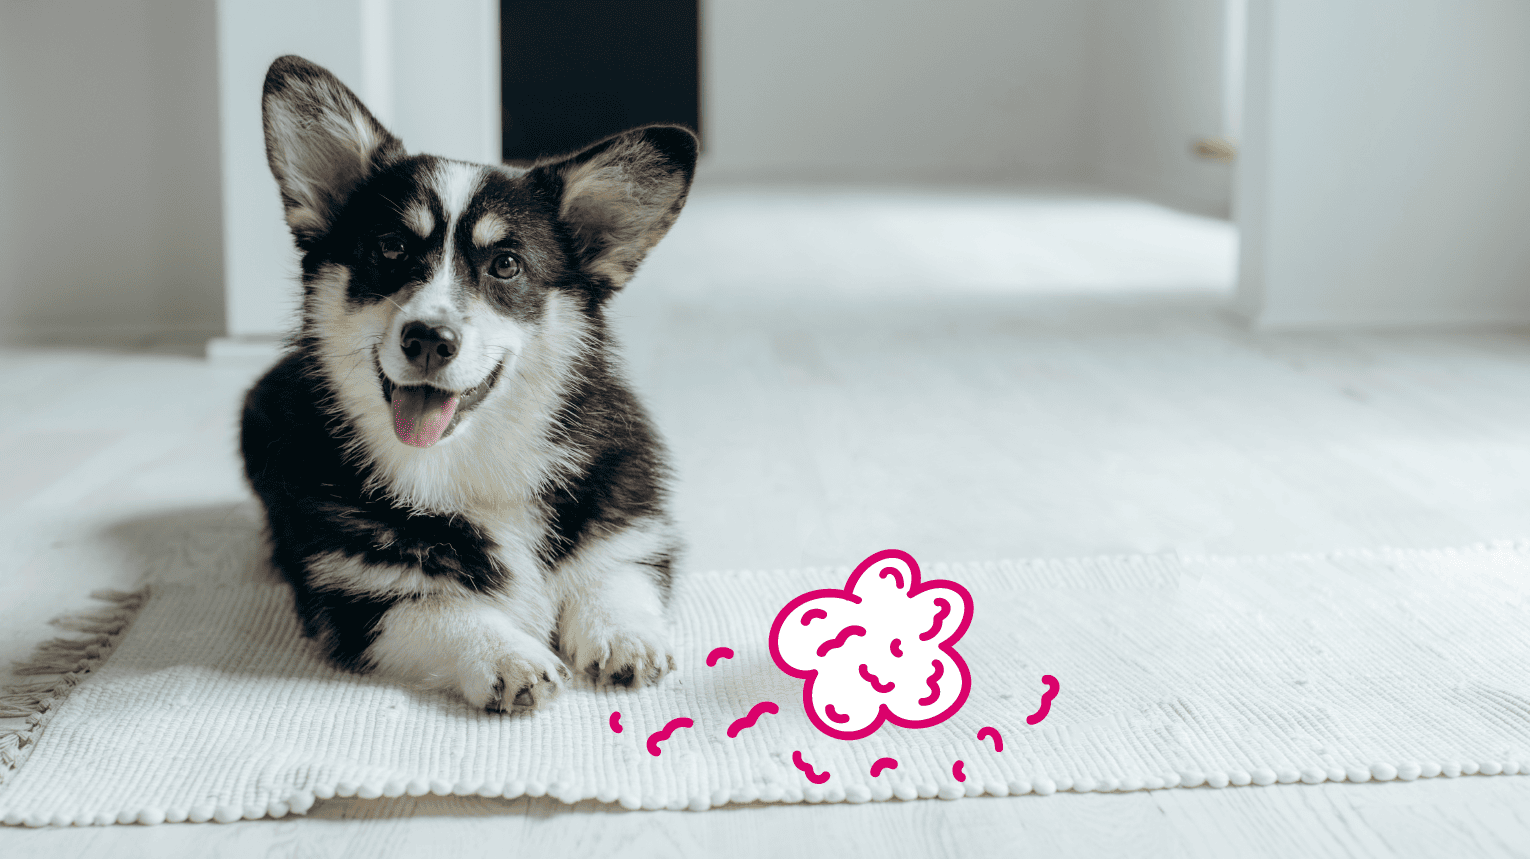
(245, 348)
(187, 341)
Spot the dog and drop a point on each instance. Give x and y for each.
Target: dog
(460, 487)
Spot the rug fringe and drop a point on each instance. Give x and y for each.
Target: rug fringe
(68, 661)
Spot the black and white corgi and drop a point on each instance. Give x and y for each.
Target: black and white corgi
(458, 483)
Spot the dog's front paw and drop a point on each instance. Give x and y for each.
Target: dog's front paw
(472, 648)
(631, 654)
(514, 680)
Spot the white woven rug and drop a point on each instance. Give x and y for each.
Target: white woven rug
(1173, 672)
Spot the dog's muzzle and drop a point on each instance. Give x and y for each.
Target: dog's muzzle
(425, 414)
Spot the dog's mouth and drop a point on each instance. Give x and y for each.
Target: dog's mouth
(425, 414)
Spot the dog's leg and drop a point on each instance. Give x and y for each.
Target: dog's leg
(469, 644)
(612, 592)
(480, 634)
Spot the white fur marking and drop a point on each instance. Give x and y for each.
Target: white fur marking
(469, 645)
(440, 302)
(455, 183)
(489, 229)
(348, 574)
(612, 613)
(499, 455)
(365, 138)
(419, 219)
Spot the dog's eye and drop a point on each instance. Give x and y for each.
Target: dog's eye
(392, 248)
(505, 266)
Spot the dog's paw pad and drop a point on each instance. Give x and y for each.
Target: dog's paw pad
(524, 685)
(629, 660)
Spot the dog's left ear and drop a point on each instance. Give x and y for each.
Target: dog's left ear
(621, 196)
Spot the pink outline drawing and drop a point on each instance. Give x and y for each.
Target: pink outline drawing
(998, 741)
(615, 721)
(1053, 687)
(748, 721)
(875, 681)
(807, 769)
(838, 641)
(940, 618)
(659, 736)
(883, 764)
(717, 654)
(956, 771)
(847, 594)
(934, 684)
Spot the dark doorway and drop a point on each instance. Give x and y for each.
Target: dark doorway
(576, 71)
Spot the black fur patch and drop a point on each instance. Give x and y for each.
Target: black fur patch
(625, 479)
(316, 503)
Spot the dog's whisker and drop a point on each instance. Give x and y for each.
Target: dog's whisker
(389, 299)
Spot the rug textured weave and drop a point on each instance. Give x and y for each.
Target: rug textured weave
(197, 701)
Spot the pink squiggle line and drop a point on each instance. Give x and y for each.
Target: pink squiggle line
(934, 684)
(616, 721)
(897, 576)
(663, 733)
(835, 714)
(748, 721)
(1053, 687)
(998, 741)
(875, 681)
(940, 618)
(956, 770)
(839, 640)
(807, 769)
(883, 764)
(718, 653)
(895, 647)
(813, 614)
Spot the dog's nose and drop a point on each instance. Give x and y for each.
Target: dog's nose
(429, 347)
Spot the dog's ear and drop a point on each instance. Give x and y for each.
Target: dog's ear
(620, 196)
(321, 143)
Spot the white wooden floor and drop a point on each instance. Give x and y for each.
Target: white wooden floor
(965, 376)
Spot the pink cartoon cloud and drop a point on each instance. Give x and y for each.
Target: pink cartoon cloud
(882, 648)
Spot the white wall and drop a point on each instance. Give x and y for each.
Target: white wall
(261, 272)
(1158, 80)
(1386, 178)
(130, 206)
(428, 68)
(109, 185)
(1103, 92)
(446, 77)
(894, 90)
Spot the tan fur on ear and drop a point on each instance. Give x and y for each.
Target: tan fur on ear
(622, 195)
(321, 142)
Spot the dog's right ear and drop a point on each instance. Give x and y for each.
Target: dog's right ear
(321, 143)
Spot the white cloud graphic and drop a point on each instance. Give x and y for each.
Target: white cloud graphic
(880, 648)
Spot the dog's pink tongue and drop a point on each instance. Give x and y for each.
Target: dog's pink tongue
(421, 414)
